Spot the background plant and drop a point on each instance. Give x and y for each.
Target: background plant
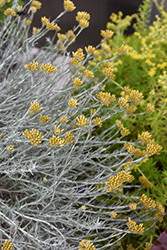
(62, 186)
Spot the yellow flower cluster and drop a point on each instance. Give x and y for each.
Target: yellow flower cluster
(34, 136)
(90, 49)
(138, 229)
(113, 214)
(105, 98)
(147, 202)
(9, 11)
(86, 245)
(48, 68)
(69, 5)
(10, 148)
(122, 49)
(27, 22)
(152, 148)
(150, 108)
(82, 121)
(107, 34)
(108, 71)
(36, 5)
(88, 73)
(117, 181)
(144, 181)
(44, 119)
(133, 206)
(2, 2)
(83, 207)
(55, 141)
(77, 82)
(148, 246)
(160, 211)
(123, 102)
(72, 103)
(33, 66)
(98, 121)
(124, 131)
(57, 129)
(50, 26)
(34, 107)
(144, 137)
(7, 245)
(83, 18)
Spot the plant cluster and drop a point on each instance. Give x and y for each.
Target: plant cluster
(62, 185)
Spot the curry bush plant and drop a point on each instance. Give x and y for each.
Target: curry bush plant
(142, 67)
(63, 186)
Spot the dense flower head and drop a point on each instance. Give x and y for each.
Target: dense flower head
(107, 34)
(54, 141)
(48, 68)
(98, 121)
(7, 245)
(147, 202)
(37, 4)
(83, 18)
(138, 229)
(44, 119)
(10, 147)
(9, 11)
(2, 3)
(34, 107)
(105, 98)
(160, 211)
(113, 214)
(86, 245)
(77, 82)
(82, 121)
(117, 181)
(133, 206)
(90, 49)
(69, 5)
(108, 72)
(33, 66)
(34, 136)
(72, 103)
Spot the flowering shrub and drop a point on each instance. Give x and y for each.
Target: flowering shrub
(62, 186)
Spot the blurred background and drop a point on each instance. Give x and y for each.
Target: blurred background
(99, 10)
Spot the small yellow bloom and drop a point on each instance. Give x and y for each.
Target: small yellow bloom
(37, 4)
(2, 3)
(113, 214)
(83, 208)
(45, 179)
(83, 17)
(9, 11)
(34, 136)
(138, 229)
(34, 107)
(72, 103)
(44, 119)
(90, 49)
(98, 121)
(48, 68)
(88, 73)
(33, 9)
(57, 130)
(54, 141)
(69, 5)
(133, 206)
(7, 245)
(1, 134)
(86, 245)
(33, 66)
(82, 121)
(28, 22)
(150, 108)
(77, 82)
(107, 33)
